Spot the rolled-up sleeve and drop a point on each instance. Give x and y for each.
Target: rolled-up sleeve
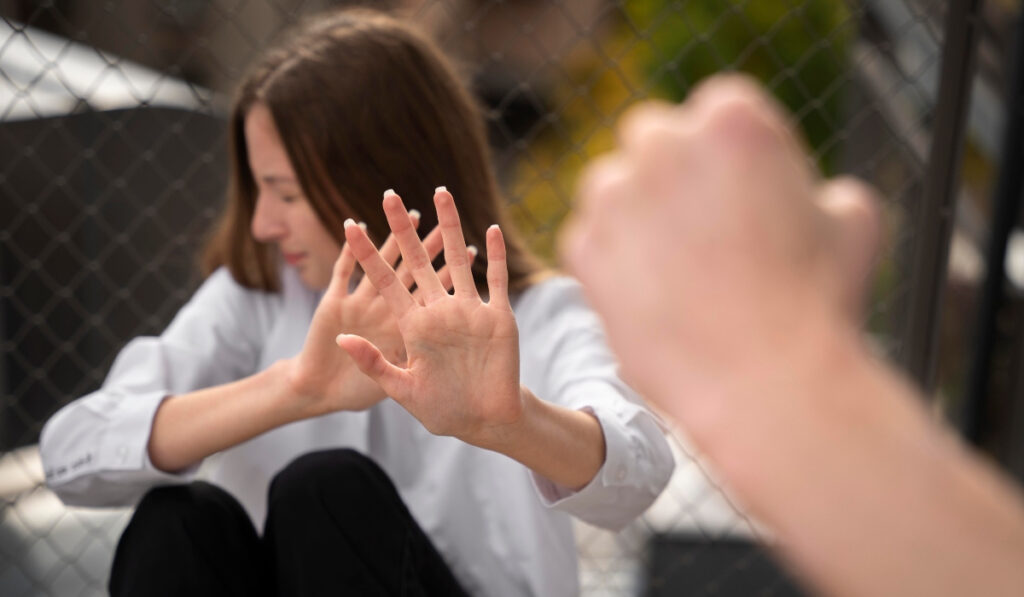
(562, 339)
(95, 453)
(95, 449)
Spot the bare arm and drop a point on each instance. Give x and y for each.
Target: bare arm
(189, 427)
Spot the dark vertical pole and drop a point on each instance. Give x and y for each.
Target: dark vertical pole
(942, 178)
(1006, 211)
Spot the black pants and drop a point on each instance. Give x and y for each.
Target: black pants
(335, 526)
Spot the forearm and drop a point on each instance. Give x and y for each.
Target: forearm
(867, 494)
(563, 445)
(190, 427)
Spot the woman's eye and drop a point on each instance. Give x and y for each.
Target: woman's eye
(290, 198)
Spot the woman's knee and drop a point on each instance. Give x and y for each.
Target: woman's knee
(336, 500)
(175, 517)
(188, 539)
(170, 504)
(339, 474)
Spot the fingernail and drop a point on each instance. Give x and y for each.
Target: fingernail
(414, 213)
(363, 226)
(440, 189)
(472, 250)
(493, 227)
(339, 337)
(349, 222)
(389, 192)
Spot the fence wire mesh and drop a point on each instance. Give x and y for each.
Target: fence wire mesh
(112, 136)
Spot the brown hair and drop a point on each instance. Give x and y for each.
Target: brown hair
(363, 102)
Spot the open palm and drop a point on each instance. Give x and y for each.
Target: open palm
(461, 376)
(327, 377)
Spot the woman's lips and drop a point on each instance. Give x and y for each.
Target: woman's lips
(294, 258)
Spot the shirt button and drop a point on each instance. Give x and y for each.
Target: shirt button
(620, 474)
(122, 451)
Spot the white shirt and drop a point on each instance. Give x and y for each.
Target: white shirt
(503, 530)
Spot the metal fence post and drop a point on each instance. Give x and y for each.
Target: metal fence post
(1009, 192)
(942, 177)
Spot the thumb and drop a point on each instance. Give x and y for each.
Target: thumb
(853, 209)
(371, 362)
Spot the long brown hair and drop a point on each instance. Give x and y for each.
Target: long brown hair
(363, 102)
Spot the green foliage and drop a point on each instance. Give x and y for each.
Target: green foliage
(660, 49)
(797, 49)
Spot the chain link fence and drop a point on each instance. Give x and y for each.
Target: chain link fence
(112, 136)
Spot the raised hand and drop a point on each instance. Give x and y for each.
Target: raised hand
(710, 236)
(461, 375)
(326, 379)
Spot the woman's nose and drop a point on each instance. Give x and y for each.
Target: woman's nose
(267, 225)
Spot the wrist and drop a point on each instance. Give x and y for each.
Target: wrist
(771, 384)
(290, 398)
(563, 445)
(505, 434)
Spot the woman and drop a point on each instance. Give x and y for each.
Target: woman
(317, 482)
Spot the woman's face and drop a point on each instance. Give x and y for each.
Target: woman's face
(283, 215)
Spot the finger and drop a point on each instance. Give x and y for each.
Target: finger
(341, 276)
(433, 244)
(413, 252)
(852, 210)
(737, 88)
(370, 360)
(497, 269)
(601, 183)
(634, 126)
(738, 102)
(377, 270)
(445, 273)
(390, 252)
(572, 244)
(606, 189)
(455, 255)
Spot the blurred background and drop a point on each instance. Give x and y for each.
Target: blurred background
(112, 165)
